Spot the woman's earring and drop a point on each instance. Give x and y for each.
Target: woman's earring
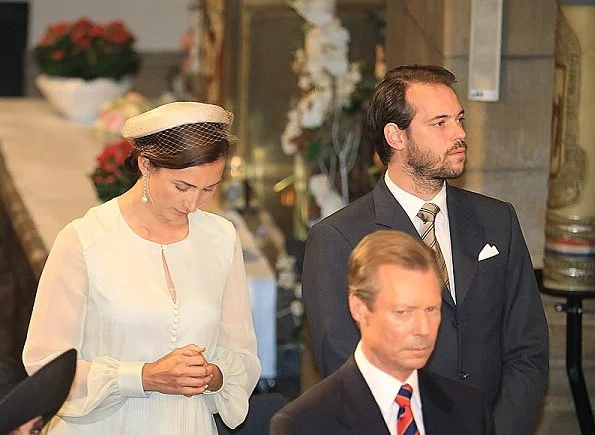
(144, 198)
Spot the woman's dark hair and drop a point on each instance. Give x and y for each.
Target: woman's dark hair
(388, 102)
(181, 147)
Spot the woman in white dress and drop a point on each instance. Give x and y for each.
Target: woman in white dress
(152, 292)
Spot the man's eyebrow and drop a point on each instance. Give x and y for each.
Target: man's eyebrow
(435, 118)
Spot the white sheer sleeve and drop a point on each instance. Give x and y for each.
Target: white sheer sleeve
(235, 354)
(57, 323)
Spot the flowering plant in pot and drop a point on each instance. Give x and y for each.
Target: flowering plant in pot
(87, 50)
(83, 64)
(110, 177)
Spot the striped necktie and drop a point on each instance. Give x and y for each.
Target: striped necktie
(427, 214)
(405, 422)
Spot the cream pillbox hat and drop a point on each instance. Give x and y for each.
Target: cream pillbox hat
(172, 115)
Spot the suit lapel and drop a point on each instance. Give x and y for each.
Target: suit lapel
(358, 409)
(390, 214)
(466, 236)
(436, 405)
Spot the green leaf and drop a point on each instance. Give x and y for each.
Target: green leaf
(313, 150)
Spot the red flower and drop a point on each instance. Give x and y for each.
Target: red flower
(85, 43)
(116, 26)
(114, 154)
(83, 23)
(96, 31)
(58, 29)
(47, 40)
(77, 35)
(110, 177)
(89, 50)
(58, 55)
(117, 37)
(108, 166)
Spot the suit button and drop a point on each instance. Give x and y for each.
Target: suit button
(463, 375)
(455, 323)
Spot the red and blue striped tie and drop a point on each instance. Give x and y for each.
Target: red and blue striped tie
(405, 422)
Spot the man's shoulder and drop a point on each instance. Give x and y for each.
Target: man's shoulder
(491, 212)
(480, 200)
(357, 210)
(310, 402)
(353, 221)
(321, 398)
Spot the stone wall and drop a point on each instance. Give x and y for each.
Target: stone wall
(509, 140)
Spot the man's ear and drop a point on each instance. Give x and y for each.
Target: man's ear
(394, 136)
(359, 310)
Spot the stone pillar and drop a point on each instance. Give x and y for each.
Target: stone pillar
(509, 140)
(569, 262)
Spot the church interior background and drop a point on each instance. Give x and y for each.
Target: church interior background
(241, 54)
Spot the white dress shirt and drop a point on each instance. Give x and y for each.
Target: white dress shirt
(385, 389)
(103, 291)
(412, 204)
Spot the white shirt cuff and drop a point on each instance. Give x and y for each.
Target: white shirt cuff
(130, 379)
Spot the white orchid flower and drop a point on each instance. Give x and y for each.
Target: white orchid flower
(317, 12)
(313, 108)
(292, 130)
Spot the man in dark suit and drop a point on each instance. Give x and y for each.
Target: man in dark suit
(395, 298)
(494, 333)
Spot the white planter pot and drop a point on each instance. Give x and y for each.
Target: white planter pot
(80, 100)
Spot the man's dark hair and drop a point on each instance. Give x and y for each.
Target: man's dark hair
(388, 102)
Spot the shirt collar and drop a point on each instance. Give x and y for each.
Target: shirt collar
(383, 386)
(411, 203)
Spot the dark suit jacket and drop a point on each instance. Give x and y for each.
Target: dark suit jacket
(495, 337)
(343, 404)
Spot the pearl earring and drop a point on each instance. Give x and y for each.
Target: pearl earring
(144, 198)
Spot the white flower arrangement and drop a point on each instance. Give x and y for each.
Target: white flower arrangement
(325, 125)
(114, 113)
(327, 198)
(326, 79)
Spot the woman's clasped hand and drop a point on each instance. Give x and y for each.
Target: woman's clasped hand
(183, 371)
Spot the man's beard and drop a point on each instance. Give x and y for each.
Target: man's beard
(428, 167)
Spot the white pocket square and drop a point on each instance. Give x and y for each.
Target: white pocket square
(488, 251)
